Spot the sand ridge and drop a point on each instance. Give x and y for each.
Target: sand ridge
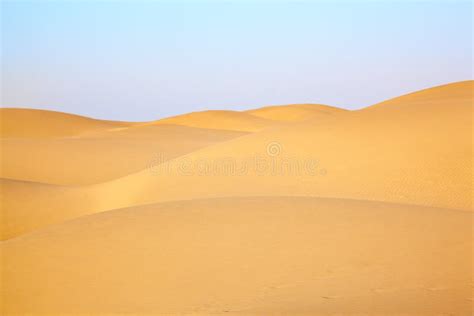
(295, 112)
(33, 123)
(219, 119)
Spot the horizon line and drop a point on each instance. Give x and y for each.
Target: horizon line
(241, 111)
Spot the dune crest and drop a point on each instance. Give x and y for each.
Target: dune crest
(457, 91)
(226, 120)
(34, 123)
(295, 112)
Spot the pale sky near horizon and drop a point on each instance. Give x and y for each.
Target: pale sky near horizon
(143, 60)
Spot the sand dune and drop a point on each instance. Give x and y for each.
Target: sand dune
(41, 123)
(247, 256)
(421, 159)
(367, 155)
(295, 112)
(27, 206)
(227, 120)
(104, 155)
(283, 210)
(428, 99)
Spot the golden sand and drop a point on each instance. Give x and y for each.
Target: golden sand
(285, 210)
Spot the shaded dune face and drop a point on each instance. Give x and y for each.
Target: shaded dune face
(226, 120)
(301, 209)
(33, 123)
(103, 155)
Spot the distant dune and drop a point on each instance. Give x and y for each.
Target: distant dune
(295, 112)
(226, 120)
(107, 154)
(302, 209)
(33, 123)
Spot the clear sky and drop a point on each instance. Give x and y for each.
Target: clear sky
(142, 60)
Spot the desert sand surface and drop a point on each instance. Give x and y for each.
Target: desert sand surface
(303, 209)
(261, 256)
(227, 120)
(32, 123)
(109, 154)
(294, 112)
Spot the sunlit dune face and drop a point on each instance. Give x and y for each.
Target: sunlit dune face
(302, 209)
(249, 256)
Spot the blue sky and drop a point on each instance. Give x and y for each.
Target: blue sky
(142, 60)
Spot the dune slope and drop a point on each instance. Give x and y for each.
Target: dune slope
(389, 153)
(217, 119)
(42, 123)
(27, 206)
(429, 98)
(295, 112)
(102, 155)
(247, 256)
(422, 159)
(291, 210)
